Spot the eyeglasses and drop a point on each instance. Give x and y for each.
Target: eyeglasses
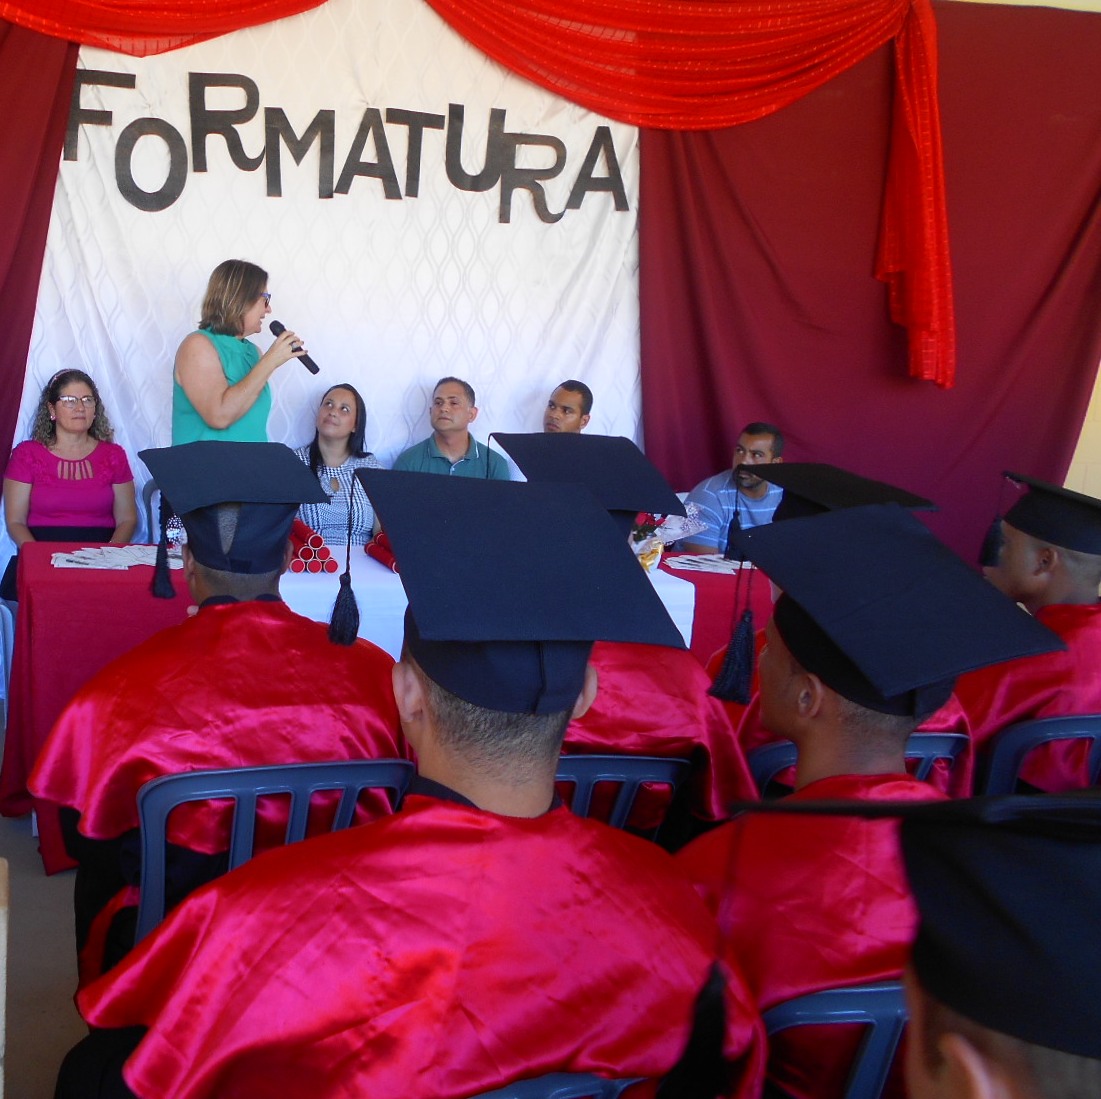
(72, 402)
(266, 295)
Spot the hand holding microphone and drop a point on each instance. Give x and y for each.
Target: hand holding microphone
(278, 329)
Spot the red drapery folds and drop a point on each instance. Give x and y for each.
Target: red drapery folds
(142, 27)
(667, 65)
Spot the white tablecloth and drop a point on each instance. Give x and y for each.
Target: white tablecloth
(382, 601)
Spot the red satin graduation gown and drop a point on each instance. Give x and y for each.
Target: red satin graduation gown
(1049, 685)
(438, 953)
(653, 701)
(237, 685)
(810, 903)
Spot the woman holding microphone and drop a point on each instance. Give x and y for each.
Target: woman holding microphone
(220, 388)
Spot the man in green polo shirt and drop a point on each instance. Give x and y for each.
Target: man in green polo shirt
(451, 449)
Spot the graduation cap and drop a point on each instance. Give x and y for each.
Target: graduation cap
(811, 488)
(266, 479)
(510, 583)
(1057, 515)
(1008, 891)
(884, 613)
(619, 475)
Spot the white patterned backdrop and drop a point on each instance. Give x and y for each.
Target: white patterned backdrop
(389, 294)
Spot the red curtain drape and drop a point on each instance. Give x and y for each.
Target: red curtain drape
(141, 27)
(662, 63)
(36, 78)
(755, 247)
(669, 65)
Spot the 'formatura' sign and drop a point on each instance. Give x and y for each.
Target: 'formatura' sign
(434, 142)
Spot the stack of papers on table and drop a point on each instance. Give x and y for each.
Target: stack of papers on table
(112, 557)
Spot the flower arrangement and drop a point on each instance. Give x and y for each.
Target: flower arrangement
(646, 526)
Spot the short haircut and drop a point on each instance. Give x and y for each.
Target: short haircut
(572, 385)
(1041, 1072)
(759, 427)
(234, 286)
(497, 740)
(241, 585)
(468, 389)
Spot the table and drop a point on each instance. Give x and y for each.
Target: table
(713, 619)
(72, 622)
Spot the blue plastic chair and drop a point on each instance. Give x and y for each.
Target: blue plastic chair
(629, 773)
(563, 1085)
(245, 786)
(769, 760)
(1001, 760)
(880, 1008)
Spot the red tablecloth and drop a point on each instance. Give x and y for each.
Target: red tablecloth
(70, 623)
(713, 621)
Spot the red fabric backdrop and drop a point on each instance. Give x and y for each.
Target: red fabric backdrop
(757, 256)
(759, 241)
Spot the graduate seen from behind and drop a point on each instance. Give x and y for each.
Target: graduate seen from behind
(1002, 986)
(1049, 560)
(243, 682)
(876, 619)
(483, 934)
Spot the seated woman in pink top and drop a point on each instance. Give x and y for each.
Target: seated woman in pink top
(68, 482)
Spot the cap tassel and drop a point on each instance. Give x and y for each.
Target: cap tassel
(702, 1071)
(344, 622)
(735, 677)
(730, 553)
(162, 580)
(992, 544)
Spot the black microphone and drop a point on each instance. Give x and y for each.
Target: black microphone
(278, 330)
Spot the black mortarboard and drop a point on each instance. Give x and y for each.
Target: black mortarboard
(617, 473)
(510, 583)
(811, 488)
(266, 479)
(1008, 891)
(881, 611)
(1057, 515)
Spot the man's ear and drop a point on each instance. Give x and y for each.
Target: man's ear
(588, 693)
(584, 419)
(810, 694)
(968, 1074)
(1046, 559)
(473, 413)
(408, 690)
(188, 559)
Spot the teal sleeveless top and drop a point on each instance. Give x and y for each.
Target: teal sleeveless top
(238, 358)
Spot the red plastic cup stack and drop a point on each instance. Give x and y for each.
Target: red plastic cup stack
(310, 552)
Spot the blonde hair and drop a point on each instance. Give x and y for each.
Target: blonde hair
(234, 286)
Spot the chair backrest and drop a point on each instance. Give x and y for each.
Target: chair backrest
(244, 786)
(7, 641)
(1000, 761)
(629, 773)
(152, 528)
(563, 1085)
(769, 760)
(880, 1008)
